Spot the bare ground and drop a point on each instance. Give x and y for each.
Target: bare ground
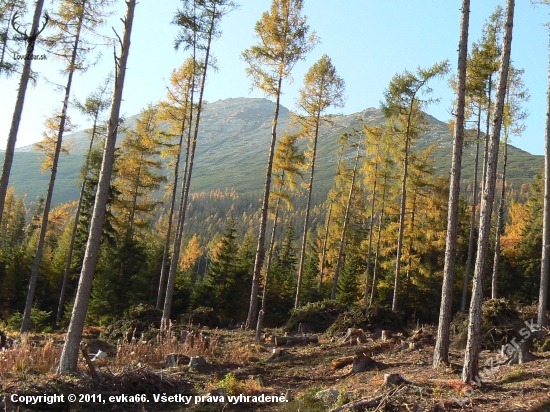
(299, 374)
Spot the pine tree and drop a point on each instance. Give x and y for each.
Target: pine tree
(482, 64)
(34, 32)
(471, 357)
(402, 105)
(138, 174)
(70, 47)
(69, 355)
(545, 258)
(443, 332)
(176, 110)
(52, 147)
(345, 223)
(322, 89)
(93, 106)
(513, 117)
(283, 41)
(199, 25)
(287, 166)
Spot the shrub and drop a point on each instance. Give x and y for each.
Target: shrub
(316, 316)
(204, 316)
(367, 318)
(142, 321)
(500, 322)
(40, 321)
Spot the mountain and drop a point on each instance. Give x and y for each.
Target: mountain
(233, 146)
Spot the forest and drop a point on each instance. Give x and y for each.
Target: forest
(383, 253)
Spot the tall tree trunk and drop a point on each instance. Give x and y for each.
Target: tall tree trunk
(175, 254)
(69, 355)
(345, 225)
(371, 227)
(324, 249)
(48, 202)
(471, 238)
(487, 132)
(378, 239)
(445, 312)
(260, 323)
(135, 196)
(411, 241)
(306, 220)
(402, 212)
(18, 111)
(473, 344)
(166, 250)
(260, 248)
(66, 272)
(500, 221)
(545, 260)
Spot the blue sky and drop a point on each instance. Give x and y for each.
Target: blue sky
(368, 41)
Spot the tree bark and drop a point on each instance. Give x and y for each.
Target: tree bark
(48, 202)
(260, 248)
(545, 260)
(65, 281)
(500, 221)
(324, 251)
(471, 358)
(175, 255)
(371, 227)
(441, 351)
(165, 252)
(306, 220)
(472, 222)
(260, 323)
(18, 111)
(345, 225)
(378, 239)
(402, 213)
(69, 356)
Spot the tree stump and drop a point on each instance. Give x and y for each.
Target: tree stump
(362, 362)
(386, 335)
(393, 379)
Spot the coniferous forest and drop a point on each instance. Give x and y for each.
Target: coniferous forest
(383, 260)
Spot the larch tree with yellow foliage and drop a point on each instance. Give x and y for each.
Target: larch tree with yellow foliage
(322, 89)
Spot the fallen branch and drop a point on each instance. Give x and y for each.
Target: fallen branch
(359, 405)
(91, 367)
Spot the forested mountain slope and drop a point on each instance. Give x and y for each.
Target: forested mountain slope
(232, 151)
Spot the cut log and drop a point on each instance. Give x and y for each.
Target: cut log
(341, 362)
(295, 340)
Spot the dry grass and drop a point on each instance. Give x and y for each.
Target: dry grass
(195, 344)
(26, 357)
